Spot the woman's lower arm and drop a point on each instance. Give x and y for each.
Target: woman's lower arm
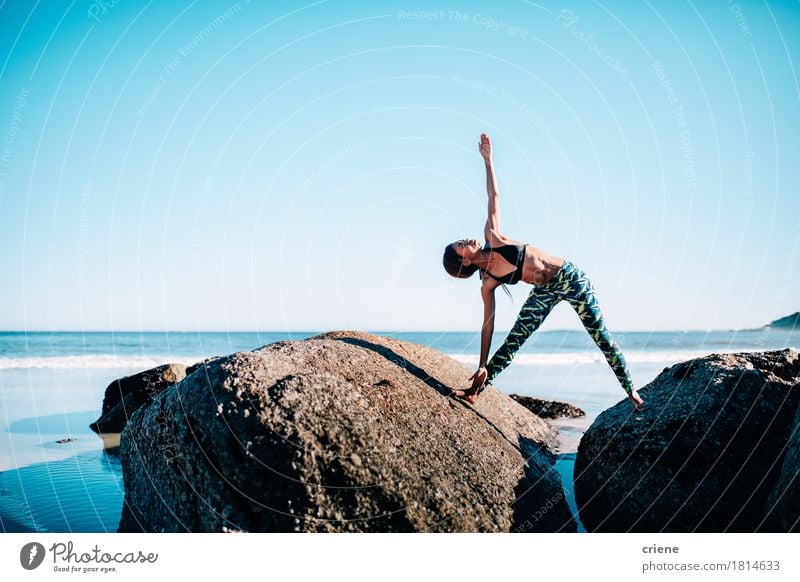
(486, 343)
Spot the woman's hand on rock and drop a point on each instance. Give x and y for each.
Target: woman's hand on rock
(478, 383)
(478, 379)
(469, 395)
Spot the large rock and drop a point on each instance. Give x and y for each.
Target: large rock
(714, 452)
(125, 395)
(345, 431)
(784, 498)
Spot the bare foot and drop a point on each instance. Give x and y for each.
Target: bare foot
(638, 403)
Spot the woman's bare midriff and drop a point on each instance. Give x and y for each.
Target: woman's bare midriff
(540, 266)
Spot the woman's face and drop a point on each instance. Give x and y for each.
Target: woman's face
(467, 249)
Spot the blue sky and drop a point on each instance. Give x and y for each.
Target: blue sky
(300, 166)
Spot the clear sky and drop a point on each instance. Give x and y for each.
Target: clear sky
(301, 165)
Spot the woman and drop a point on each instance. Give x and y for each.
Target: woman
(507, 261)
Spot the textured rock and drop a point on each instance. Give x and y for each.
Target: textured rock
(784, 498)
(125, 395)
(710, 454)
(345, 431)
(549, 408)
(194, 367)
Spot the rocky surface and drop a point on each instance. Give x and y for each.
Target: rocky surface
(125, 395)
(194, 367)
(784, 497)
(549, 408)
(345, 431)
(716, 451)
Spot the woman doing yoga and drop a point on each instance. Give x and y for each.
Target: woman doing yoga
(503, 260)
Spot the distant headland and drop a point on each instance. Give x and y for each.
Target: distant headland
(790, 321)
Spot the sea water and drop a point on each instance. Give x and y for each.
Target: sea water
(52, 386)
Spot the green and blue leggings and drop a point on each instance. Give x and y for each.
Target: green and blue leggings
(569, 284)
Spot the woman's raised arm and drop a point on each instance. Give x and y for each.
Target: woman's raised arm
(493, 213)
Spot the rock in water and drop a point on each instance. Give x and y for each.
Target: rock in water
(125, 395)
(710, 454)
(345, 431)
(549, 408)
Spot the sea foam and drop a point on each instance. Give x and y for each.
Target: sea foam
(110, 361)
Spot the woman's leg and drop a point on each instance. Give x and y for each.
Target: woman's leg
(537, 306)
(581, 296)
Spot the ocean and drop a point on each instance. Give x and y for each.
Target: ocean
(52, 386)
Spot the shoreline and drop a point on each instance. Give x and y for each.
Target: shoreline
(570, 432)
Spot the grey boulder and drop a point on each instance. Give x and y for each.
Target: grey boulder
(342, 432)
(717, 450)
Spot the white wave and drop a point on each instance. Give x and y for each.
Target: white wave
(632, 357)
(110, 361)
(96, 361)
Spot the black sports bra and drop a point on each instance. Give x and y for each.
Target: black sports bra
(514, 254)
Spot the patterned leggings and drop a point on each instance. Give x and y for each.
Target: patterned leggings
(570, 284)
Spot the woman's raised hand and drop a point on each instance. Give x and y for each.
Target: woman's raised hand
(485, 147)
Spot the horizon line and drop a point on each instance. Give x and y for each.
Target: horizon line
(361, 330)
